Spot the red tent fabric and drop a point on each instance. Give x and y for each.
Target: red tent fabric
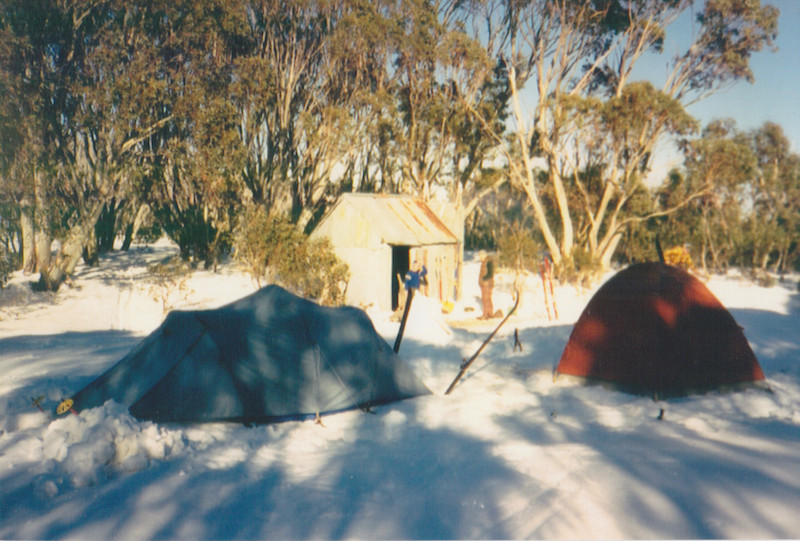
(655, 329)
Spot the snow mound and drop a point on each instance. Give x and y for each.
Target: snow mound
(86, 449)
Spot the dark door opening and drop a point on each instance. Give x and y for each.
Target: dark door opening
(400, 266)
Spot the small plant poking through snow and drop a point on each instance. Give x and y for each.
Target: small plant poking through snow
(170, 283)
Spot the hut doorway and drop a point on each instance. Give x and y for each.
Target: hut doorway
(400, 266)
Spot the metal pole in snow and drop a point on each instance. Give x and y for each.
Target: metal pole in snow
(403, 321)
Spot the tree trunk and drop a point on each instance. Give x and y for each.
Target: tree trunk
(567, 230)
(600, 215)
(71, 251)
(715, 255)
(91, 250)
(704, 257)
(609, 250)
(126, 242)
(28, 228)
(105, 230)
(777, 267)
(42, 227)
(526, 176)
(133, 229)
(765, 257)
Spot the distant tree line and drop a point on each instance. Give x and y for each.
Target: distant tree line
(749, 214)
(734, 203)
(190, 115)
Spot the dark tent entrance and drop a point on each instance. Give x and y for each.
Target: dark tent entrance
(401, 262)
(655, 329)
(271, 356)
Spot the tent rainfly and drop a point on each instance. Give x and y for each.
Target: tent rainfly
(268, 357)
(656, 330)
(379, 236)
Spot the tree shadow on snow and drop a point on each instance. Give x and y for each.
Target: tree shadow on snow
(717, 466)
(38, 363)
(773, 337)
(390, 476)
(680, 484)
(411, 484)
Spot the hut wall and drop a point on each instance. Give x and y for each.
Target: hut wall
(452, 216)
(347, 229)
(361, 244)
(370, 275)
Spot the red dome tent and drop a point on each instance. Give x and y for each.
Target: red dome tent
(654, 329)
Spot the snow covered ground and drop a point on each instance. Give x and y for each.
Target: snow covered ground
(509, 454)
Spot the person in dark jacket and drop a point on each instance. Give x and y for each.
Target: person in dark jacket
(486, 283)
(414, 276)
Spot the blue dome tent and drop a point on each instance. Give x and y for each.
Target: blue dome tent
(268, 357)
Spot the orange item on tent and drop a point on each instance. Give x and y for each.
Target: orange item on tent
(655, 329)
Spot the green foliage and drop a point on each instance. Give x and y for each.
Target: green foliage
(641, 109)
(197, 108)
(269, 246)
(581, 268)
(501, 213)
(517, 249)
(9, 260)
(149, 234)
(7, 266)
(312, 270)
(763, 279)
(747, 209)
(195, 234)
(259, 239)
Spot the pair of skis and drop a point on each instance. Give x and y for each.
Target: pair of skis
(546, 272)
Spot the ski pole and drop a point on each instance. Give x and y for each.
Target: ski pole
(403, 321)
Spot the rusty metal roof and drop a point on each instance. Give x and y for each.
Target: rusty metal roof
(400, 220)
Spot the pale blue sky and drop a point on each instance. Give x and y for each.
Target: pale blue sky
(775, 94)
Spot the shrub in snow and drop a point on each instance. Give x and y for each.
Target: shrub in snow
(270, 246)
(170, 283)
(7, 266)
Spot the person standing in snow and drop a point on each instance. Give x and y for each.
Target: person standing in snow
(411, 283)
(486, 283)
(414, 277)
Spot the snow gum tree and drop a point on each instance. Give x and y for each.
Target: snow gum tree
(81, 62)
(721, 160)
(189, 112)
(577, 114)
(294, 88)
(191, 168)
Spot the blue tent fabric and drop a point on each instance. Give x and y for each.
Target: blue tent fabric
(268, 357)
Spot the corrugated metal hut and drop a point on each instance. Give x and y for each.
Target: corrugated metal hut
(379, 236)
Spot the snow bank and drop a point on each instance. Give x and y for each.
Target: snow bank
(82, 450)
